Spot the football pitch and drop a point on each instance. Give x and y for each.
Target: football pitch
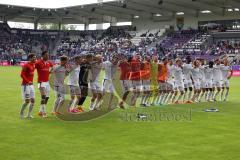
(198, 136)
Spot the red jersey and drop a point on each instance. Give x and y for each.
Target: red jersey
(43, 70)
(27, 73)
(162, 73)
(135, 70)
(125, 70)
(145, 72)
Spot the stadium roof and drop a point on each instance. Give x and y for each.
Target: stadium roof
(99, 11)
(52, 4)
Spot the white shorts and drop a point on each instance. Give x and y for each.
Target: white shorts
(197, 84)
(170, 85)
(95, 86)
(225, 83)
(125, 85)
(217, 84)
(136, 85)
(146, 85)
(188, 83)
(108, 86)
(46, 87)
(209, 84)
(75, 90)
(203, 84)
(60, 92)
(28, 92)
(179, 86)
(162, 86)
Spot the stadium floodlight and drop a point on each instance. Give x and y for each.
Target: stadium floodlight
(136, 17)
(206, 11)
(158, 15)
(236, 9)
(53, 4)
(180, 13)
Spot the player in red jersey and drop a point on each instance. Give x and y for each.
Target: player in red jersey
(43, 67)
(135, 78)
(145, 74)
(28, 93)
(125, 69)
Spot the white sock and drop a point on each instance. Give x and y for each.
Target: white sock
(184, 96)
(170, 97)
(30, 109)
(210, 95)
(197, 96)
(215, 95)
(41, 108)
(91, 105)
(70, 104)
(158, 98)
(44, 108)
(189, 96)
(226, 95)
(24, 106)
(222, 93)
(133, 99)
(147, 101)
(200, 96)
(143, 99)
(97, 103)
(206, 95)
(179, 97)
(173, 98)
(56, 103)
(165, 98)
(161, 98)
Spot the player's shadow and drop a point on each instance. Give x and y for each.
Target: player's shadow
(87, 115)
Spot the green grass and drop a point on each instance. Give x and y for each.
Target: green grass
(214, 136)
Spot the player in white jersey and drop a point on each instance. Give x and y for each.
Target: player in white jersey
(209, 80)
(226, 75)
(170, 82)
(110, 68)
(187, 68)
(59, 74)
(96, 67)
(178, 79)
(217, 78)
(73, 83)
(202, 80)
(196, 75)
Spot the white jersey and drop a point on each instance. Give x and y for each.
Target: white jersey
(187, 71)
(95, 72)
(110, 70)
(217, 74)
(202, 71)
(225, 72)
(74, 76)
(208, 73)
(196, 74)
(170, 72)
(178, 74)
(59, 75)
